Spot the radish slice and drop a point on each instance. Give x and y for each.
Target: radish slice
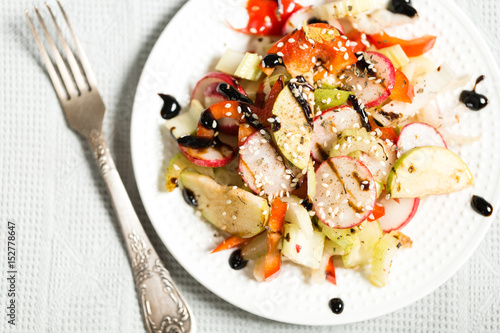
(328, 126)
(372, 89)
(345, 192)
(305, 14)
(398, 212)
(419, 135)
(212, 96)
(211, 157)
(209, 80)
(263, 169)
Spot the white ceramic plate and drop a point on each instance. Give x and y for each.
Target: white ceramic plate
(445, 231)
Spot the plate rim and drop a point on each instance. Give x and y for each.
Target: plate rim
(438, 280)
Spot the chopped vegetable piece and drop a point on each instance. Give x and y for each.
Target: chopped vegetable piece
(230, 243)
(413, 48)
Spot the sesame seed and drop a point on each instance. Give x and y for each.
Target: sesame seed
(228, 202)
(280, 54)
(271, 120)
(214, 124)
(264, 212)
(253, 30)
(224, 213)
(228, 114)
(234, 217)
(346, 56)
(324, 185)
(291, 40)
(176, 167)
(280, 44)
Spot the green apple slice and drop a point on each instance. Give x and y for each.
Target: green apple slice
(231, 209)
(428, 170)
(294, 138)
(330, 98)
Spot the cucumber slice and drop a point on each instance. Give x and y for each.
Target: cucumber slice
(298, 215)
(294, 138)
(233, 210)
(428, 170)
(329, 98)
(177, 164)
(344, 239)
(382, 256)
(303, 250)
(185, 123)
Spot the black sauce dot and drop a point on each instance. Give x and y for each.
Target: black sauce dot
(402, 7)
(336, 305)
(272, 60)
(171, 107)
(189, 197)
(481, 206)
(236, 261)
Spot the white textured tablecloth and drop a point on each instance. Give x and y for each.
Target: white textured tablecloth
(73, 274)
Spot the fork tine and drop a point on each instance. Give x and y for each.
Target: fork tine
(81, 53)
(56, 81)
(63, 70)
(70, 57)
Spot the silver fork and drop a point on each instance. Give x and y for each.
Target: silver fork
(163, 307)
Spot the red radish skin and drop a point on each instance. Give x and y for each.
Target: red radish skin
(327, 126)
(375, 91)
(212, 96)
(345, 192)
(398, 213)
(212, 157)
(419, 135)
(261, 168)
(200, 89)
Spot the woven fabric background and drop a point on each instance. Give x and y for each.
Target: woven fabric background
(73, 274)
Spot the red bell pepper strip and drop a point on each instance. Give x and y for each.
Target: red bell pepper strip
(275, 91)
(230, 243)
(244, 131)
(378, 212)
(330, 271)
(300, 55)
(267, 17)
(357, 37)
(272, 263)
(388, 133)
(403, 90)
(413, 48)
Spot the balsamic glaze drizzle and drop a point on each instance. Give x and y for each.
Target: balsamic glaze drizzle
(276, 123)
(272, 60)
(189, 197)
(232, 94)
(170, 108)
(472, 99)
(360, 109)
(363, 65)
(296, 92)
(307, 204)
(208, 121)
(250, 117)
(402, 7)
(336, 305)
(481, 206)
(236, 261)
(313, 20)
(195, 142)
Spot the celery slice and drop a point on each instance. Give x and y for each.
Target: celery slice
(229, 61)
(396, 55)
(249, 67)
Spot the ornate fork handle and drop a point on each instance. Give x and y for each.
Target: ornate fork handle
(163, 307)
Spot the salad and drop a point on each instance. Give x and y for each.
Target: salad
(316, 145)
